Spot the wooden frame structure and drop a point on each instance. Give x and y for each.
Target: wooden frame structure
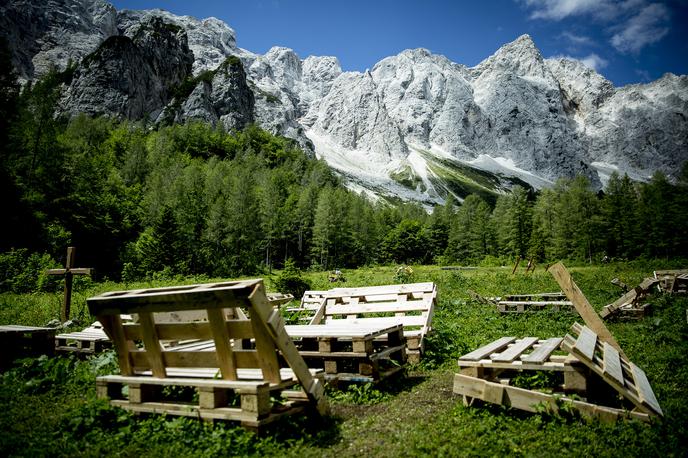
(88, 341)
(19, 341)
(411, 305)
(252, 375)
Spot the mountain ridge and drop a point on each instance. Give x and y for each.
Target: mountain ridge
(515, 114)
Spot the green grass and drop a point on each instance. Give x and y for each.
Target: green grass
(48, 406)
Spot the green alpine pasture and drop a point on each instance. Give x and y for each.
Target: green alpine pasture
(48, 406)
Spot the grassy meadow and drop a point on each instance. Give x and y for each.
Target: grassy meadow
(48, 405)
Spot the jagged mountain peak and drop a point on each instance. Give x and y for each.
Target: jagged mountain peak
(413, 122)
(520, 58)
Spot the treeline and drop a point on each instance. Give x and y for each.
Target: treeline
(192, 199)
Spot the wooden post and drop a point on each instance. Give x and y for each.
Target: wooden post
(518, 260)
(69, 271)
(583, 307)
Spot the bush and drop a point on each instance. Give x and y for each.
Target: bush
(290, 280)
(24, 272)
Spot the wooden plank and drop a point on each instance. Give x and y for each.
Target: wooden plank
(267, 353)
(583, 307)
(532, 401)
(223, 347)
(275, 326)
(152, 344)
(541, 303)
(482, 352)
(244, 359)
(586, 342)
(405, 321)
(112, 324)
(236, 329)
(382, 290)
(647, 396)
(514, 351)
(612, 363)
(340, 329)
(172, 299)
(543, 352)
(375, 307)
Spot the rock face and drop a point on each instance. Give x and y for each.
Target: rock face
(220, 96)
(50, 33)
(411, 122)
(131, 77)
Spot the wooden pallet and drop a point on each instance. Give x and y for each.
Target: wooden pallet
(89, 341)
(533, 401)
(488, 372)
(507, 357)
(249, 400)
(19, 341)
(603, 359)
(141, 354)
(411, 305)
(520, 303)
(352, 353)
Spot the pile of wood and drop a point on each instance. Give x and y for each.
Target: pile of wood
(520, 303)
(633, 305)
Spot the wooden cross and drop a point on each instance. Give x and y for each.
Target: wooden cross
(69, 271)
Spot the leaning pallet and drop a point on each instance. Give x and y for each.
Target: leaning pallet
(411, 305)
(352, 352)
(603, 359)
(236, 385)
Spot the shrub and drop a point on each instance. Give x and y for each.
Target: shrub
(24, 272)
(290, 280)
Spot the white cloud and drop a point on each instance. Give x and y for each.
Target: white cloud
(578, 40)
(645, 28)
(632, 24)
(560, 9)
(594, 61)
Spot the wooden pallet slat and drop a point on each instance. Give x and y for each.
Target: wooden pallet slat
(647, 396)
(612, 363)
(514, 351)
(486, 350)
(543, 352)
(586, 343)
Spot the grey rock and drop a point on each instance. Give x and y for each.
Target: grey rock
(46, 34)
(133, 77)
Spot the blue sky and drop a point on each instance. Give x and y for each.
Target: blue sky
(627, 41)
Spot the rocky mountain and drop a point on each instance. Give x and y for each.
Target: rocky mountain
(416, 126)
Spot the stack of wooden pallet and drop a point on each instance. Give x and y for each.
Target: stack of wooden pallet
(245, 385)
(489, 372)
(361, 353)
(411, 305)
